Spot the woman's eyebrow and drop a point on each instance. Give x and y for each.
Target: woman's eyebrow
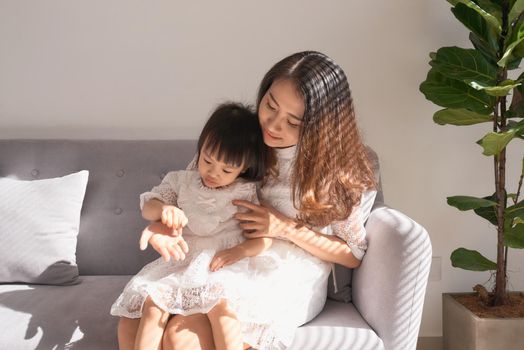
(290, 114)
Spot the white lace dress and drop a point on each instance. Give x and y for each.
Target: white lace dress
(188, 286)
(272, 294)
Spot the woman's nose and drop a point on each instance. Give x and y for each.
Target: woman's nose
(274, 123)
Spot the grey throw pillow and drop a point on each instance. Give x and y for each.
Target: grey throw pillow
(343, 284)
(39, 222)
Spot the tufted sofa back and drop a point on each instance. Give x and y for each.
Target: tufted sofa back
(118, 172)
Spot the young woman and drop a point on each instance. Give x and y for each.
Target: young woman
(314, 202)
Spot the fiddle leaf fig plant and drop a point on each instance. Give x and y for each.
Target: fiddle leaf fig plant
(473, 87)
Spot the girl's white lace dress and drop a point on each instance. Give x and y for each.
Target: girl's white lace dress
(273, 293)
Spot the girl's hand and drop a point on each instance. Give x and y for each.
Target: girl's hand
(165, 241)
(173, 217)
(226, 257)
(262, 221)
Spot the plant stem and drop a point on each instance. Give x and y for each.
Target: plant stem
(500, 180)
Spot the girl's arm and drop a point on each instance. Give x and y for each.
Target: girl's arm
(152, 209)
(268, 222)
(251, 247)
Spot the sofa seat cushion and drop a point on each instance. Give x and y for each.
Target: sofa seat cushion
(338, 326)
(77, 316)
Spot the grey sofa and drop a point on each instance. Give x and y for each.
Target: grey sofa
(388, 288)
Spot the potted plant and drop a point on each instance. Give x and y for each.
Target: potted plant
(473, 86)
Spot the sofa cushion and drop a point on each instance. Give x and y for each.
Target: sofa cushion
(119, 170)
(338, 326)
(77, 316)
(39, 222)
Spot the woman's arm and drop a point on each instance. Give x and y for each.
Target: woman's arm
(326, 247)
(268, 222)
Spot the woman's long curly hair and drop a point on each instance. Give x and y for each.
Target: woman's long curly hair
(332, 168)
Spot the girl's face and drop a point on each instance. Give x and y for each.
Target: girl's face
(280, 114)
(215, 173)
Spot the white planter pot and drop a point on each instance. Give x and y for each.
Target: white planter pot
(463, 330)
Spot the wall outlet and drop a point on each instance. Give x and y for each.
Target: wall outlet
(435, 271)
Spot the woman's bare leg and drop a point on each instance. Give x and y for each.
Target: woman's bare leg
(127, 328)
(188, 333)
(225, 326)
(152, 325)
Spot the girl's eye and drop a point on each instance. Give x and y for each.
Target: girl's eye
(226, 171)
(270, 106)
(207, 161)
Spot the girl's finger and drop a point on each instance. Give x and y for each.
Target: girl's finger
(170, 219)
(165, 253)
(172, 251)
(183, 245)
(144, 239)
(184, 220)
(163, 217)
(176, 222)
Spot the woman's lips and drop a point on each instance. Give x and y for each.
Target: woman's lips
(271, 135)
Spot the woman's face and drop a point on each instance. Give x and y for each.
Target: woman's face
(280, 114)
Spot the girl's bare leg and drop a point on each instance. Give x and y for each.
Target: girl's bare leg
(188, 333)
(127, 328)
(226, 327)
(152, 325)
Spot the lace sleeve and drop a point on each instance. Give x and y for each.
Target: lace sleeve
(352, 229)
(165, 192)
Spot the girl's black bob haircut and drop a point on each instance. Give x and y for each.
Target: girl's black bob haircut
(233, 135)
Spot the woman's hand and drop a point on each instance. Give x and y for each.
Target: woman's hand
(165, 240)
(173, 217)
(262, 221)
(226, 257)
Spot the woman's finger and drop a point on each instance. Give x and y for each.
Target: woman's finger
(247, 204)
(255, 234)
(248, 216)
(252, 226)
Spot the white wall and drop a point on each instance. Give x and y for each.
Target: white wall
(155, 69)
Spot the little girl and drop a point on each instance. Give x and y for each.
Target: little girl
(231, 157)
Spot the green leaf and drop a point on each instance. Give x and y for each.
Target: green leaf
(464, 203)
(502, 89)
(488, 213)
(467, 65)
(514, 236)
(494, 142)
(492, 8)
(478, 25)
(487, 51)
(493, 23)
(516, 210)
(471, 260)
(452, 93)
(516, 109)
(515, 40)
(516, 10)
(460, 116)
